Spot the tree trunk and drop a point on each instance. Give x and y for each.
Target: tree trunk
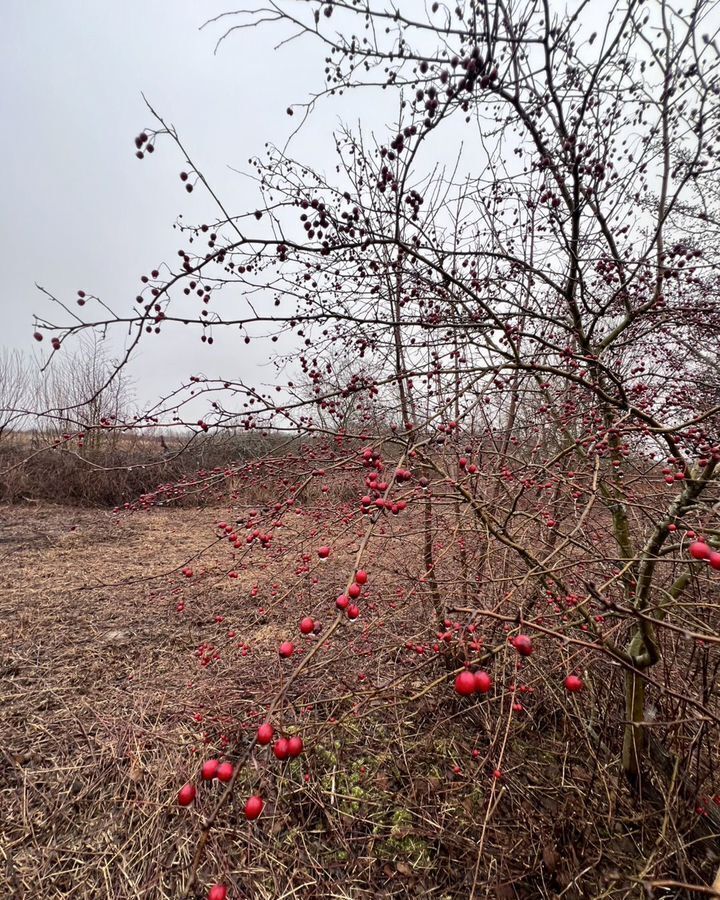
(634, 738)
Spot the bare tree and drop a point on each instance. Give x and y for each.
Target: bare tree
(15, 392)
(519, 324)
(76, 394)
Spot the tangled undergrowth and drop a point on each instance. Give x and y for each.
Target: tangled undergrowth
(404, 788)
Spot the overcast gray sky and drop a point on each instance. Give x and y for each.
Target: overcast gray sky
(78, 209)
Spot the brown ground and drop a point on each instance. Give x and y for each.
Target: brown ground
(105, 710)
(94, 694)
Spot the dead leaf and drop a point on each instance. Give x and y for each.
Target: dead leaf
(136, 772)
(382, 781)
(551, 858)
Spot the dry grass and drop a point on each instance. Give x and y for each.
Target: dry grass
(95, 703)
(112, 468)
(105, 712)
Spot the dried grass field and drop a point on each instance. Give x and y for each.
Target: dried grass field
(110, 698)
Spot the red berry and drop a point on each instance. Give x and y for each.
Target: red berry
(307, 625)
(209, 769)
(186, 794)
(700, 550)
(265, 733)
(281, 749)
(286, 649)
(323, 552)
(254, 807)
(465, 684)
(342, 602)
(217, 892)
(483, 682)
(353, 611)
(354, 591)
(361, 577)
(225, 772)
(295, 746)
(523, 645)
(714, 560)
(573, 684)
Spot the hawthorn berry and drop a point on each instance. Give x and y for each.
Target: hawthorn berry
(187, 794)
(465, 684)
(286, 649)
(225, 772)
(253, 807)
(699, 550)
(573, 684)
(209, 769)
(281, 749)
